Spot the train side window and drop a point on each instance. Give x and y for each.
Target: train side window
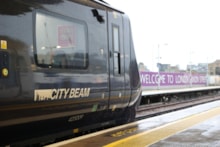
(61, 42)
(116, 48)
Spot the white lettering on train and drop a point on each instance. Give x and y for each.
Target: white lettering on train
(61, 93)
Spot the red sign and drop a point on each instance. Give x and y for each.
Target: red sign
(66, 36)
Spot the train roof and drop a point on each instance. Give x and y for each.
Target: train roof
(26, 6)
(103, 3)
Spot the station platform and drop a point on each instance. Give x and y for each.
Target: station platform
(147, 92)
(197, 126)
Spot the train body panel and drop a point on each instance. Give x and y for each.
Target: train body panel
(66, 62)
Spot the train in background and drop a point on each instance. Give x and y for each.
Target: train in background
(67, 66)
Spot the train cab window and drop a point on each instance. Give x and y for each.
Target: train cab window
(60, 42)
(116, 47)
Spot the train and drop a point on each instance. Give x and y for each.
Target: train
(67, 66)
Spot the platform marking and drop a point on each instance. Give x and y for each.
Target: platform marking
(124, 132)
(152, 136)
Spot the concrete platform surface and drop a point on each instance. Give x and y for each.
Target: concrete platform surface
(198, 126)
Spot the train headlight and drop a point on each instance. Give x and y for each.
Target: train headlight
(4, 72)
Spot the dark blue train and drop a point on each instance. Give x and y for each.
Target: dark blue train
(66, 66)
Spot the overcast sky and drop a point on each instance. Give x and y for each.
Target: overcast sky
(178, 31)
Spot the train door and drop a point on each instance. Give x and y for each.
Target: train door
(116, 60)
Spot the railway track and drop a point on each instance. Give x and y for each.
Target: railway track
(149, 110)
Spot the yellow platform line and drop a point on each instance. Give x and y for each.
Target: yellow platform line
(150, 137)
